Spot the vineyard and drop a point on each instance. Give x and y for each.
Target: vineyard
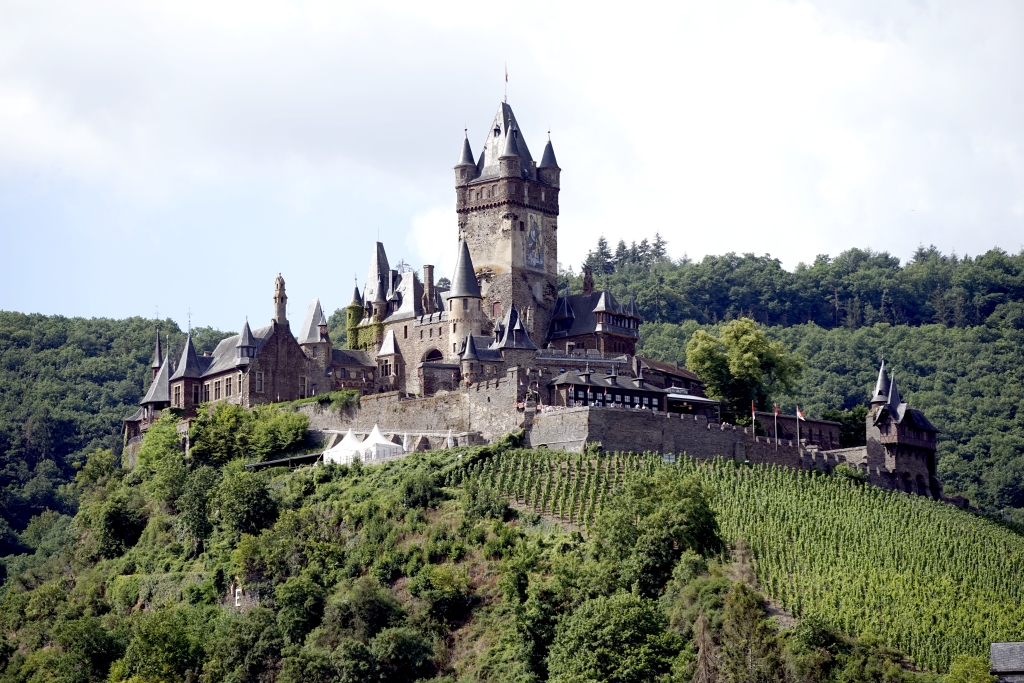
(930, 579)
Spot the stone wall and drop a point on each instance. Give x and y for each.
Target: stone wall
(488, 408)
(618, 429)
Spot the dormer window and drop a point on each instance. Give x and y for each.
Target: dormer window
(497, 131)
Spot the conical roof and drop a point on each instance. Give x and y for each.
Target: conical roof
(470, 352)
(309, 333)
(511, 149)
(158, 354)
(513, 333)
(188, 366)
(547, 160)
(467, 154)
(464, 282)
(160, 390)
(357, 298)
(881, 393)
(894, 397)
(564, 309)
(246, 338)
(378, 276)
(606, 303)
(631, 308)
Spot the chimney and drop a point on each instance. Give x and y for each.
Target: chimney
(428, 289)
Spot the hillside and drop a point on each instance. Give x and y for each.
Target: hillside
(66, 384)
(419, 569)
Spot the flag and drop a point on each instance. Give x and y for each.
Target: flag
(799, 414)
(776, 409)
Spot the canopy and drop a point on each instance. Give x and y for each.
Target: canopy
(378, 447)
(343, 452)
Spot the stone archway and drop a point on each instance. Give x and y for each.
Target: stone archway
(433, 356)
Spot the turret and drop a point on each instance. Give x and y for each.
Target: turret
(465, 170)
(280, 302)
(880, 395)
(245, 349)
(510, 161)
(470, 362)
(353, 316)
(548, 171)
(158, 356)
(379, 305)
(465, 304)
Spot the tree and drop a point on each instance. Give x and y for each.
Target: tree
(706, 666)
(749, 650)
(741, 365)
(300, 603)
(402, 655)
(970, 670)
(245, 503)
(616, 639)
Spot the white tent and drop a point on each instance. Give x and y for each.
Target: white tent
(378, 447)
(344, 451)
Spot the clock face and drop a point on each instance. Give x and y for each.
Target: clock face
(534, 243)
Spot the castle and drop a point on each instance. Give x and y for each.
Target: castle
(500, 348)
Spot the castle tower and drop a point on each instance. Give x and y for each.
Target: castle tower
(280, 302)
(465, 304)
(507, 210)
(185, 384)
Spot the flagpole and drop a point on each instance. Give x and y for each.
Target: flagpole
(798, 431)
(776, 428)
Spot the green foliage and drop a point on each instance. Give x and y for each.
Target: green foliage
(749, 649)
(300, 604)
(619, 639)
(401, 655)
(166, 646)
(851, 425)
(245, 503)
(970, 670)
(67, 384)
(742, 367)
(230, 431)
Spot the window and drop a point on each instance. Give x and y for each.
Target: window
(453, 348)
(227, 387)
(238, 597)
(341, 373)
(206, 392)
(526, 192)
(542, 195)
(494, 190)
(177, 396)
(216, 390)
(405, 331)
(522, 226)
(430, 333)
(195, 394)
(314, 352)
(259, 382)
(496, 309)
(421, 334)
(302, 387)
(455, 328)
(465, 304)
(450, 305)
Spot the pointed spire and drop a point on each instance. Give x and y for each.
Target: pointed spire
(158, 355)
(881, 393)
(467, 153)
(513, 334)
(470, 353)
(246, 339)
(894, 397)
(511, 149)
(188, 366)
(159, 389)
(547, 160)
(309, 333)
(631, 309)
(464, 282)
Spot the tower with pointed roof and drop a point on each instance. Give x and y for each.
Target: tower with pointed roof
(507, 211)
(465, 304)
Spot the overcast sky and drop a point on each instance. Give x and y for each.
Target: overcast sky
(179, 155)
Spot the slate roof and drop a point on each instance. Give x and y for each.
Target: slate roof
(158, 355)
(188, 366)
(510, 145)
(136, 416)
(470, 352)
(596, 379)
(668, 368)
(464, 282)
(513, 334)
(1007, 658)
(246, 338)
(309, 333)
(881, 393)
(378, 276)
(547, 160)
(581, 310)
(160, 390)
(351, 357)
(466, 159)
(494, 145)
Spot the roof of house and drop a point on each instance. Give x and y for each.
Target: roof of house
(582, 310)
(1007, 658)
(309, 333)
(352, 357)
(388, 347)
(160, 390)
(605, 381)
(513, 334)
(224, 356)
(188, 366)
(667, 368)
(246, 338)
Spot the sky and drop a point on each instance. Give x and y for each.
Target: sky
(173, 158)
